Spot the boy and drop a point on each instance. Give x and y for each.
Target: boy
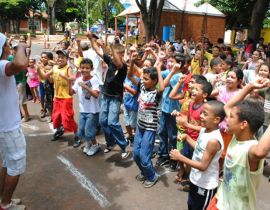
(87, 87)
(147, 120)
(215, 76)
(12, 140)
(201, 90)
(63, 114)
(112, 96)
(205, 160)
(244, 159)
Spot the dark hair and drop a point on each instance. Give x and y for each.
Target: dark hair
(222, 56)
(228, 62)
(152, 71)
(152, 61)
(220, 40)
(239, 73)
(48, 54)
(197, 77)
(252, 111)
(215, 62)
(216, 47)
(206, 86)
(87, 61)
(180, 59)
(218, 109)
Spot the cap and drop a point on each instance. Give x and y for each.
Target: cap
(3, 39)
(65, 53)
(95, 36)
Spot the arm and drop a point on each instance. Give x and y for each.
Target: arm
(130, 72)
(214, 93)
(174, 91)
(182, 120)
(116, 58)
(29, 41)
(78, 41)
(188, 139)
(93, 93)
(44, 75)
(213, 146)
(175, 68)
(94, 44)
(160, 79)
(70, 89)
(130, 89)
(20, 62)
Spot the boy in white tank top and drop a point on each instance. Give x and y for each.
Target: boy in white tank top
(204, 175)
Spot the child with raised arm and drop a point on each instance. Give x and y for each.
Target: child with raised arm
(147, 124)
(87, 87)
(204, 175)
(243, 164)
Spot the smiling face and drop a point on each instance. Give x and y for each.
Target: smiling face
(232, 80)
(264, 71)
(233, 123)
(44, 59)
(207, 117)
(85, 70)
(197, 93)
(61, 60)
(148, 82)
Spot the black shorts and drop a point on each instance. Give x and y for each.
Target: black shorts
(199, 198)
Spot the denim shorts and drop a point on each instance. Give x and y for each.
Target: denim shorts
(13, 151)
(130, 118)
(41, 90)
(87, 126)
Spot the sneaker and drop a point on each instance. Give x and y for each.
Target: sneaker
(12, 206)
(87, 147)
(131, 140)
(161, 161)
(26, 118)
(109, 148)
(93, 150)
(148, 184)
(140, 177)
(42, 113)
(77, 142)
(58, 133)
(15, 201)
(125, 154)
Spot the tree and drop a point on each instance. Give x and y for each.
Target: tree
(51, 16)
(151, 14)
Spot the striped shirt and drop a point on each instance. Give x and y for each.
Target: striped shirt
(148, 107)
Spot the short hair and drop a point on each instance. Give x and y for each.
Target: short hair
(119, 47)
(180, 59)
(206, 86)
(152, 61)
(218, 109)
(228, 62)
(239, 73)
(152, 71)
(87, 61)
(197, 77)
(252, 111)
(48, 54)
(215, 62)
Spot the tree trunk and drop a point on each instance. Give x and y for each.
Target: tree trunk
(51, 19)
(258, 14)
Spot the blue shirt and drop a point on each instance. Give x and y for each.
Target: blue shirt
(168, 105)
(131, 101)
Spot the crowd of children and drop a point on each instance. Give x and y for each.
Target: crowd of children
(204, 108)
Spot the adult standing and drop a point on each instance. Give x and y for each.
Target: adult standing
(12, 141)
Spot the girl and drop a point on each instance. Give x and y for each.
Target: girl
(204, 67)
(251, 62)
(250, 75)
(33, 80)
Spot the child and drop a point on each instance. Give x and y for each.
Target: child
(215, 76)
(196, 62)
(205, 160)
(243, 164)
(87, 87)
(33, 81)
(63, 114)
(147, 121)
(204, 67)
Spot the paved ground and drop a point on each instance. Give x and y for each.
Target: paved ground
(59, 177)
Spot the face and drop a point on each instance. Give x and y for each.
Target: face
(197, 92)
(148, 82)
(205, 62)
(225, 66)
(197, 55)
(170, 63)
(61, 60)
(22, 39)
(207, 117)
(215, 52)
(233, 123)
(44, 59)
(217, 68)
(31, 62)
(264, 71)
(255, 55)
(85, 69)
(231, 81)
(147, 64)
(169, 52)
(191, 84)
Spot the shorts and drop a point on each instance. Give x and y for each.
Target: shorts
(130, 118)
(13, 151)
(63, 114)
(187, 150)
(22, 93)
(213, 204)
(199, 198)
(41, 91)
(87, 126)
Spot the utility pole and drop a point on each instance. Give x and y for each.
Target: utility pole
(87, 20)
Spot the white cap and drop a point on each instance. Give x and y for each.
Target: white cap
(3, 39)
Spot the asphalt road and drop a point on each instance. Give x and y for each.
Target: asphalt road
(59, 177)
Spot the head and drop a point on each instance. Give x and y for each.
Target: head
(216, 51)
(201, 90)
(246, 116)
(264, 71)
(256, 55)
(32, 62)
(150, 78)
(4, 48)
(148, 63)
(212, 114)
(234, 79)
(226, 64)
(62, 58)
(205, 61)
(215, 65)
(120, 50)
(198, 54)
(170, 51)
(86, 66)
(194, 79)
(65, 45)
(45, 57)
(22, 39)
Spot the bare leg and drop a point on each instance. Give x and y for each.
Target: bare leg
(10, 185)
(36, 93)
(25, 109)
(3, 174)
(129, 131)
(33, 94)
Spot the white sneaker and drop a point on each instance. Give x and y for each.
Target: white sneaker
(93, 150)
(13, 206)
(87, 147)
(15, 201)
(125, 154)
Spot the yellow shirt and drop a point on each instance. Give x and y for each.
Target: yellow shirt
(195, 67)
(61, 86)
(209, 57)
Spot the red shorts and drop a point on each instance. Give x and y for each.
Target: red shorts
(213, 204)
(63, 114)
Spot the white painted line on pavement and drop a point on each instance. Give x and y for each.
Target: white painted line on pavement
(38, 134)
(32, 127)
(85, 183)
(166, 171)
(51, 127)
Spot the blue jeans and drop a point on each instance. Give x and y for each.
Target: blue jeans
(142, 152)
(109, 121)
(87, 121)
(167, 134)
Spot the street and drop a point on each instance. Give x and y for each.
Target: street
(59, 177)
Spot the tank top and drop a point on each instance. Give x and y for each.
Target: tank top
(194, 118)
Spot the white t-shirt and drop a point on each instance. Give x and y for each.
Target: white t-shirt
(87, 103)
(97, 63)
(209, 178)
(10, 118)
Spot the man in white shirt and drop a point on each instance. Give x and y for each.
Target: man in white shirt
(12, 141)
